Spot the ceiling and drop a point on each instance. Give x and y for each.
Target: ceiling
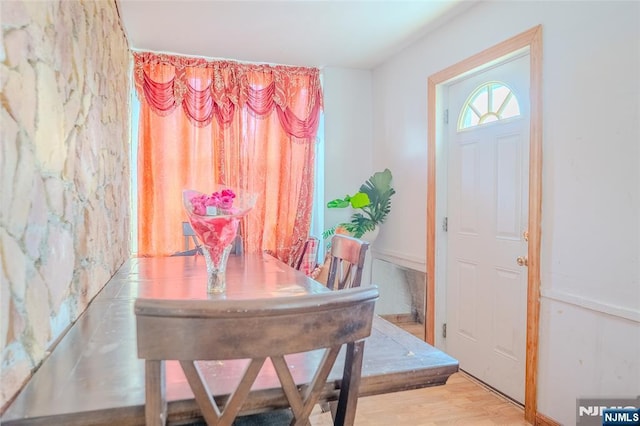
(329, 33)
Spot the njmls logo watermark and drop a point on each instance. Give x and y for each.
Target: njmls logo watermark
(608, 411)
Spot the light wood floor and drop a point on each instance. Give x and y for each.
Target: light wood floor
(462, 401)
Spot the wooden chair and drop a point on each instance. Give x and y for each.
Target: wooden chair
(308, 258)
(192, 330)
(347, 261)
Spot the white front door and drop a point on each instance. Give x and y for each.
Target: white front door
(487, 196)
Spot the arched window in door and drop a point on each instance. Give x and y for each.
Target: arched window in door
(492, 101)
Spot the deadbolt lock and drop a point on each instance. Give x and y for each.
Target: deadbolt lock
(522, 261)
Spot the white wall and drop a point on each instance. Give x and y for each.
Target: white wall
(348, 136)
(590, 316)
(348, 133)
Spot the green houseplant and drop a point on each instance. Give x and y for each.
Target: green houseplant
(372, 202)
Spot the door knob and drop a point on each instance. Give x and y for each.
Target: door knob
(522, 261)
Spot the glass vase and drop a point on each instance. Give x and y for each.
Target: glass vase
(217, 232)
(216, 270)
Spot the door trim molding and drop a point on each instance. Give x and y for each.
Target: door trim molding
(531, 39)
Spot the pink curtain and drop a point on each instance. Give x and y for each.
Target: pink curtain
(226, 132)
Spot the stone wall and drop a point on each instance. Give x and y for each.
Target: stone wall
(64, 171)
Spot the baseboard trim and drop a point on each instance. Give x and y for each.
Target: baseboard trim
(400, 318)
(543, 420)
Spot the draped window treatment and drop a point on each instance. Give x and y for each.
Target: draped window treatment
(247, 126)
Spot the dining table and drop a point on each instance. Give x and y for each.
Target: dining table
(93, 376)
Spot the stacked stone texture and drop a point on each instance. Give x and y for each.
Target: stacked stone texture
(64, 171)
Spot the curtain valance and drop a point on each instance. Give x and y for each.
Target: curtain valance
(207, 89)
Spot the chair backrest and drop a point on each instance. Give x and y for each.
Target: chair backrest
(308, 257)
(347, 261)
(192, 330)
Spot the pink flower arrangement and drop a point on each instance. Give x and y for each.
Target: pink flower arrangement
(215, 220)
(221, 201)
(215, 232)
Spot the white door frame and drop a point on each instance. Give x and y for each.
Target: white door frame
(532, 40)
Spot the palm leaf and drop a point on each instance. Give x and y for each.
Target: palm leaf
(378, 188)
(373, 200)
